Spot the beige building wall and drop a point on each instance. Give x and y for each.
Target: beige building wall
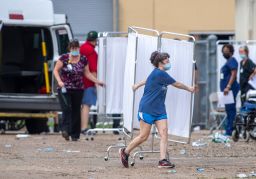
(183, 16)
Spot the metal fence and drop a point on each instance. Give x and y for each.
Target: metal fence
(205, 55)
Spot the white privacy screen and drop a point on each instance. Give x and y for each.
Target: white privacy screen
(111, 65)
(129, 81)
(101, 76)
(146, 45)
(178, 102)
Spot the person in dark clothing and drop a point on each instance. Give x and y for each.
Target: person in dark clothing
(116, 122)
(247, 72)
(196, 72)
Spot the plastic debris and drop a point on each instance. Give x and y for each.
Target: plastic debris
(50, 124)
(47, 149)
(227, 145)
(200, 170)
(8, 145)
(22, 136)
(199, 143)
(172, 171)
(182, 151)
(71, 151)
(92, 171)
(252, 174)
(220, 138)
(241, 175)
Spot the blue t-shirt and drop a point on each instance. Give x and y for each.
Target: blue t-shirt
(153, 99)
(226, 69)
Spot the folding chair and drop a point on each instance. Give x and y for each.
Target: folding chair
(217, 114)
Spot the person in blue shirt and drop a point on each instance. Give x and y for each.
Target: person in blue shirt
(228, 83)
(152, 108)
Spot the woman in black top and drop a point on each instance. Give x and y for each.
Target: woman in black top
(247, 72)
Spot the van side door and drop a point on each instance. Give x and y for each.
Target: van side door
(61, 36)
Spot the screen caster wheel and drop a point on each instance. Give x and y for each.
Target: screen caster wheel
(141, 157)
(106, 158)
(89, 139)
(132, 164)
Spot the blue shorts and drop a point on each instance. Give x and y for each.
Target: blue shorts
(90, 96)
(150, 119)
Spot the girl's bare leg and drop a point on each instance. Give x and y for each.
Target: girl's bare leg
(162, 128)
(142, 137)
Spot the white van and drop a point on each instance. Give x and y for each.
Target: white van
(26, 80)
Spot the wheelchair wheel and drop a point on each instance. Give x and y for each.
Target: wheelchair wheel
(253, 133)
(246, 136)
(235, 135)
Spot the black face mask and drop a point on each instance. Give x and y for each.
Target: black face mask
(227, 56)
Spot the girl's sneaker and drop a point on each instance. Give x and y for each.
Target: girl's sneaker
(165, 164)
(124, 157)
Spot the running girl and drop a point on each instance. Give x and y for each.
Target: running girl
(152, 108)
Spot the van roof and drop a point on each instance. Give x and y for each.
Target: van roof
(27, 12)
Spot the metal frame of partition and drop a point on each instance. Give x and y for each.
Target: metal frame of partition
(135, 30)
(193, 78)
(154, 133)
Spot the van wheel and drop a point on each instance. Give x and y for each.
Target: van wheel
(36, 125)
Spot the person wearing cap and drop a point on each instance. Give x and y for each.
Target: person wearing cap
(90, 96)
(247, 72)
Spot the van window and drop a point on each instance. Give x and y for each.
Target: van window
(63, 40)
